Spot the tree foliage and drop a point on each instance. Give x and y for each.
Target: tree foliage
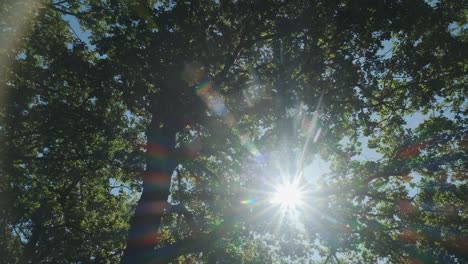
(202, 107)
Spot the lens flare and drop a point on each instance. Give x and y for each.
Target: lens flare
(249, 201)
(217, 105)
(288, 195)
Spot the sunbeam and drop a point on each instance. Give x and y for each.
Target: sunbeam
(288, 196)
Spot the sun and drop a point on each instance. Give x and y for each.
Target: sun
(287, 195)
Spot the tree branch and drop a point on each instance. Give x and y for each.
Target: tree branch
(68, 12)
(221, 76)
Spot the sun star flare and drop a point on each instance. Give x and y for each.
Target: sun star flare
(288, 195)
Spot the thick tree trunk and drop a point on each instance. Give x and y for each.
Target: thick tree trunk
(29, 255)
(160, 164)
(28, 251)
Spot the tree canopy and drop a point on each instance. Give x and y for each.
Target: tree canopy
(187, 131)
